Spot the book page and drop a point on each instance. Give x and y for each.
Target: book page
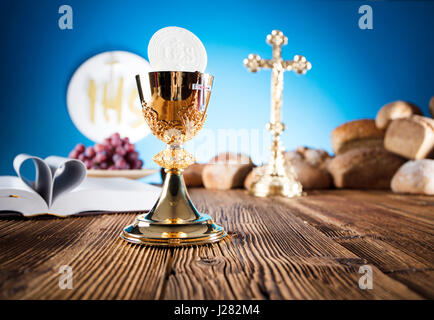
(107, 194)
(17, 196)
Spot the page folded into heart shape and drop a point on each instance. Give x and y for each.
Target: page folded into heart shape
(54, 175)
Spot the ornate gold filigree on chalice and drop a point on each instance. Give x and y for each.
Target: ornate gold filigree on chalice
(175, 113)
(278, 179)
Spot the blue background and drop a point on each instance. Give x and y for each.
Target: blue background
(354, 71)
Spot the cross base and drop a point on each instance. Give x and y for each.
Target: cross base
(276, 185)
(278, 178)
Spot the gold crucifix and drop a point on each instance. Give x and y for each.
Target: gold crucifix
(277, 179)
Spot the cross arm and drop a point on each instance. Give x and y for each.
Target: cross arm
(254, 62)
(299, 65)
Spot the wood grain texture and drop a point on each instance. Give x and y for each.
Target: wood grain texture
(305, 248)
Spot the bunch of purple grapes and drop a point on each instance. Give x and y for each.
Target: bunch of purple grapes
(114, 153)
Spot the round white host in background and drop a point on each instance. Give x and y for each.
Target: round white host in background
(102, 96)
(176, 49)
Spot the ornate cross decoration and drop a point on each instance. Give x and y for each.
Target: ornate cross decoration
(277, 179)
(202, 88)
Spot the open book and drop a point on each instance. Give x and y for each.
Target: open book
(61, 188)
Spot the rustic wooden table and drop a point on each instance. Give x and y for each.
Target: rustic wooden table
(305, 248)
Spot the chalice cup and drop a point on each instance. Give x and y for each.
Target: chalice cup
(175, 114)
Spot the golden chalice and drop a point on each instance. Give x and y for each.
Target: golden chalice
(175, 113)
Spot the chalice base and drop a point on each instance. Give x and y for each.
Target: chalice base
(173, 221)
(201, 231)
(276, 185)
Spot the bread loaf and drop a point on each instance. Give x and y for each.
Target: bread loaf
(364, 168)
(395, 110)
(415, 176)
(356, 134)
(226, 171)
(412, 138)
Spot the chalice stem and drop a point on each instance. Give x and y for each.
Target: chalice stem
(174, 204)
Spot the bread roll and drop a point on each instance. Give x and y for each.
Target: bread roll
(309, 176)
(415, 176)
(312, 177)
(364, 168)
(226, 171)
(412, 138)
(356, 134)
(395, 110)
(315, 157)
(253, 176)
(310, 167)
